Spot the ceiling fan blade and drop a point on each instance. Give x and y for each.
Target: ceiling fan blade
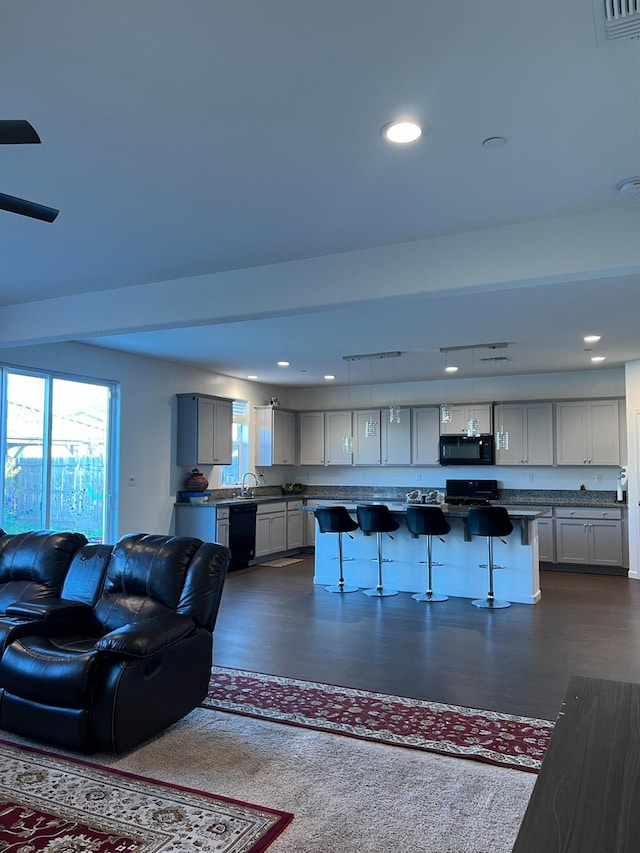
(27, 208)
(17, 132)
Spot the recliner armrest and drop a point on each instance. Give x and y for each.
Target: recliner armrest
(54, 608)
(147, 637)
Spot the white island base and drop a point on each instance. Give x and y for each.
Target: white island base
(459, 575)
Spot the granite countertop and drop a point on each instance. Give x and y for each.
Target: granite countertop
(533, 499)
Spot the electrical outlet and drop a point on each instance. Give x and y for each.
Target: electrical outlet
(598, 478)
(132, 481)
(530, 478)
(418, 477)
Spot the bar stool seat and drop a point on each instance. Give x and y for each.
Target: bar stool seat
(428, 521)
(377, 518)
(336, 519)
(489, 521)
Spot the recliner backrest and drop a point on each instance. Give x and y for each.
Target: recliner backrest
(33, 564)
(84, 580)
(152, 574)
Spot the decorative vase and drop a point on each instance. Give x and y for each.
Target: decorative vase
(196, 482)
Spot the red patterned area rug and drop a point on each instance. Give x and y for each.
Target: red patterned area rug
(502, 739)
(62, 805)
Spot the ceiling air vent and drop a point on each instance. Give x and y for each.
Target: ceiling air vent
(617, 19)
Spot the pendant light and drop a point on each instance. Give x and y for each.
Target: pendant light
(446, 415)
(347, 441)
(473, 424)
(502, 436)
(370, 426)
(394, 409)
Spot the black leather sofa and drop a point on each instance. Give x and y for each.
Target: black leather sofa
(120, 649)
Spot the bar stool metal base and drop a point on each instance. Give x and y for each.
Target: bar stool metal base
(338, 588)
(380, 592)
(491, 603)
(429, 596)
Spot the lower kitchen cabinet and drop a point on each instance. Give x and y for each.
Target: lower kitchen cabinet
(295, 525)
(271, 529)
(546, 540)
(222, 526)
(589, 536)
(197, 521)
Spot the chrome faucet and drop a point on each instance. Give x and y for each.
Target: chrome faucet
(243, 488)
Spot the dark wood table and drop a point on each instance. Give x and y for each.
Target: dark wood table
(587, 795)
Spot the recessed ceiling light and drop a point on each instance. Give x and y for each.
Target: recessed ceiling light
(329, 376)
(597, 358)
(283, 363)
(630, 186)
(252, 376)
(494, 142)
(401, 132)
(451, 369)
(591, 339)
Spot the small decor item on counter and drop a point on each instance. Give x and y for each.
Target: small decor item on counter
(414, 496)
(196, 481)
(292, 488)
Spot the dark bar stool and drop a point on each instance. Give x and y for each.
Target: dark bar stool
(428, 521)
(376, 518)
(489, 521)
(336, 519)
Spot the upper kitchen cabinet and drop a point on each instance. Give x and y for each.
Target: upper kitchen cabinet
(311, 438)
(588, 432)
(462, 414)
(204, 430)
(529, 427)
(425, 436)
(367, 437)
(276, 436)
(396, 438)
(337, 426)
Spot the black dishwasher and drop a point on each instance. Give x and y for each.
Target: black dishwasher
(242, 534)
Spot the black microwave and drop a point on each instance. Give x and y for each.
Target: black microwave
(467, 450)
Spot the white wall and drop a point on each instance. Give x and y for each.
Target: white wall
(148, 423)
(547, 386)
(147, 420)
(632, 373)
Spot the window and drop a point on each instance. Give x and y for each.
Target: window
(58, 456)
(231, 475)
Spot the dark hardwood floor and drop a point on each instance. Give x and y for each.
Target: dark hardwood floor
(517, 660)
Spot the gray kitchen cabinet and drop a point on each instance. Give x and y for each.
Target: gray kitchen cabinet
(204, 430)
(337, 425)
(309, 526)
(295, 525)
(462, 414)
(222, 526)
(311, 438)
(529, 427)
(276, 439)
(366, 437)
(271, 527)
(425, 435)
(396, 438)
(546, 540)
(587, 536)
(197, 521)
(588, 432)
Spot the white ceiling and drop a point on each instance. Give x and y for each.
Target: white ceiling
(192, 138)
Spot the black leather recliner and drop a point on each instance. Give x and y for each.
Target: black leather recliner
(108, 677)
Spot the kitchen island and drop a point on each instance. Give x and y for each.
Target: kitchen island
(460, 555)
